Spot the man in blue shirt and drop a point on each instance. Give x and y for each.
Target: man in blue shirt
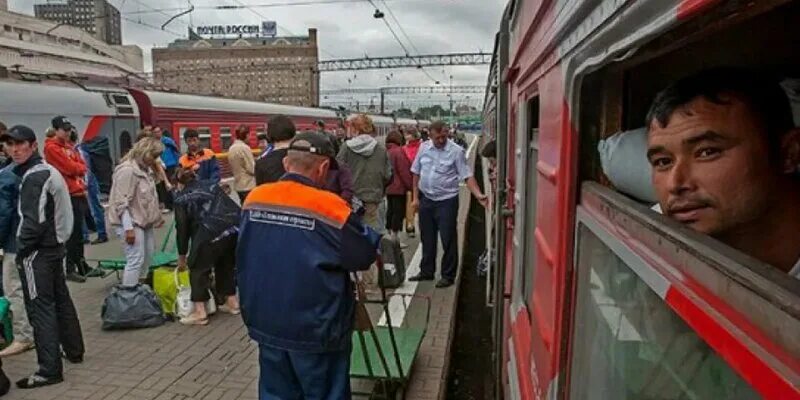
(438, 169)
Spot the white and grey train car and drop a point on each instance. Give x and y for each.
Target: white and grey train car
(94, 111)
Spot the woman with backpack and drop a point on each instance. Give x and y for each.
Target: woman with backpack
(206, 228)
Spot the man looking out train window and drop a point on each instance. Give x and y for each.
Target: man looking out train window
(725, 154)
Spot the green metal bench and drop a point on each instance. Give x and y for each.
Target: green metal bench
(385, 354)
(167, 256)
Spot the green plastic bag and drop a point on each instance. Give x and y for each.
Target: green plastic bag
(165, 288)
(5, 319)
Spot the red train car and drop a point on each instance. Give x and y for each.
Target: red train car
(216, 118)
(599, 297)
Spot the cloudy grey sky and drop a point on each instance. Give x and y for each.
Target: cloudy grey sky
(345, 30)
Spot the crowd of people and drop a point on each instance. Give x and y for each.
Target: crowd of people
(355, 187)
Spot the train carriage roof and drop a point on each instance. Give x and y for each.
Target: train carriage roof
(25, 98)
(195, 102)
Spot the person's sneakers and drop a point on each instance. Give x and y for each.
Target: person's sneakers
(37, 380)
(75, 277)
(420, 277)
(99, 240)
(443, 283)
(16, 347)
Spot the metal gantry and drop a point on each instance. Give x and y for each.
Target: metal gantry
(393, 90)
(421, 61)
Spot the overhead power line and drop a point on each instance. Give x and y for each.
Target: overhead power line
(394, 90)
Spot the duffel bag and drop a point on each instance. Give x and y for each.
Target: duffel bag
(131, 307)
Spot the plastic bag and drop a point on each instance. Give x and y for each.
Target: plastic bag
(131, 307)
(624, 160)
(183, 300)
(165, 287)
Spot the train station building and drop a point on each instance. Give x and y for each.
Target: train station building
(270, 69)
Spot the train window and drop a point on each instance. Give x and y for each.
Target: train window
(121, 99)
(225, 137)
(628, 343)
(205, 137)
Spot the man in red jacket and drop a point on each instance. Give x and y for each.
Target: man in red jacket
(60, 152)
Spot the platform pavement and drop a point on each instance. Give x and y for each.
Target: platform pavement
(218, 361)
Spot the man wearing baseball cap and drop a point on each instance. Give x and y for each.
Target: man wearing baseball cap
(298, 244)
(43, 231)
(60, 152)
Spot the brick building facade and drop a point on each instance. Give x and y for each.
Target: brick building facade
(271, 69)
(97, 17)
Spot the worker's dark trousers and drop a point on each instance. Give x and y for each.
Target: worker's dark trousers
(438, 218)
(289, 375)
(75, 260)
(50, 310)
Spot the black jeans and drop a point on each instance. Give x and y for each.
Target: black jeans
(75, 259)
(219, 256)
(439, 218)
(50, 310)
(395, 212)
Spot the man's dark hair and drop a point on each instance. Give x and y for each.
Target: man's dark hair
(281, 128)
(438, 126)
(242, 132)
(489, 149)
(760, 91)
(190, 133)
(262, 136)
(321, 123)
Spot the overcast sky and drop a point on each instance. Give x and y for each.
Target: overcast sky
(345, 30)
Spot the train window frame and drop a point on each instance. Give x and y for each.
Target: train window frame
(205, 135)
(750, 301)
(225, 132)
(525, 201)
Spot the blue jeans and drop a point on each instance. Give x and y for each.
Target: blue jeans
(439, 218)
(288, 375)
(95, 208)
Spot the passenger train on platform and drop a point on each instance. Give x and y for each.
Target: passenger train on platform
(118, 113)
(596, 296)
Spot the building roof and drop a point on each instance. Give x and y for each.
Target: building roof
(238, 42)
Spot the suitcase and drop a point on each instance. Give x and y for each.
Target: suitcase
(394, 264)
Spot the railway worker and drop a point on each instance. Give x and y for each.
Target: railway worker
(133, 207)
(438, 169)
(202, 161)
(60, 152)
(372, 171)
(12, 286)
(242, 163)
(46, 223)
(281, 131)
(725, 152)
(297, 247)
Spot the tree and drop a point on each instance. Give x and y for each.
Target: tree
(403, 113)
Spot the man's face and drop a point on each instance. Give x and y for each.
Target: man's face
(157, 132)
(20, 151)
(711, 166)
(262, 144)
(193, 144)
(62, 134)
(439, 138)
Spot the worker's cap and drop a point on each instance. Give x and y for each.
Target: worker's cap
(313, 142)
(18, 133)
(61, 122)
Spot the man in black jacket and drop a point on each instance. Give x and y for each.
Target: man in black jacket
(43, 230)
(269, 168)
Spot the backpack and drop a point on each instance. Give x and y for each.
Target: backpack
(393, 273)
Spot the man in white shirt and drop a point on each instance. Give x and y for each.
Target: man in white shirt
(725, 155)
